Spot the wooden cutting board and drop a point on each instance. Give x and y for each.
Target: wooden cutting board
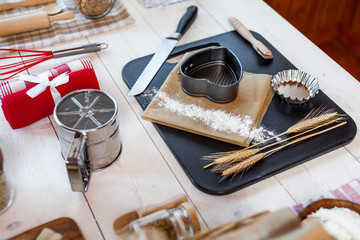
(65, 226)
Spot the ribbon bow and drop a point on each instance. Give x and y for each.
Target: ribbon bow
(43, 83)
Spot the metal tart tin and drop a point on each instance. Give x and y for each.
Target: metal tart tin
(214, 73)
(295, 86)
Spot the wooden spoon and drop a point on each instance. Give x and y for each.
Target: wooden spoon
(52, 9)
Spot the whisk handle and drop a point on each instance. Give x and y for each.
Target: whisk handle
(92, 47)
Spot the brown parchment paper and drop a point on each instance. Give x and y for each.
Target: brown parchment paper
(254, 97)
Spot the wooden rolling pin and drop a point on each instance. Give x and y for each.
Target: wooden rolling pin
(30, 22)
(23, 3)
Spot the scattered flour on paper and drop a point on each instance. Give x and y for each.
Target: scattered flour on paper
(217, 120)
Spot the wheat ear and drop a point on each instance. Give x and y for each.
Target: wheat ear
(243, 165)
(314, 118)
(224, 162)
(246, 164)
(223, 159)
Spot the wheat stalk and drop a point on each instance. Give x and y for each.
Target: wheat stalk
(243, 165)
(313, 119)
(247, 163)
(223, 159)
(223, 162)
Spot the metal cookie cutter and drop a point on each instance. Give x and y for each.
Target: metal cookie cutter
(88, 131)
(214, 73)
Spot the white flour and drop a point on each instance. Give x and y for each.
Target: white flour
(217, 120)
(148, 95)
(341, 223)
(260, 134)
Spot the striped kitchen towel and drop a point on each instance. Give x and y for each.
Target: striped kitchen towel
(61, 31)
(349, 191)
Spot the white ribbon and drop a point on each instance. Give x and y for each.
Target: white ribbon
(43, 83)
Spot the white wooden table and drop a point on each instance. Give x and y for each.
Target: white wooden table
(147, 172)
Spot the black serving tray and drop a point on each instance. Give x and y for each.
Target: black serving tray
(188, 148)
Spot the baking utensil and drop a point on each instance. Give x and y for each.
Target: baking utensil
(35, 57)
(214, 73)
(124, 220)
(269, 226)
(52, 9)
(23, 3)
(163, 52)
(295, 86)
(259, 47)
(30, 22)
(88, 131)
(93, 9)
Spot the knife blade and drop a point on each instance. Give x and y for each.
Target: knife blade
(163, 52)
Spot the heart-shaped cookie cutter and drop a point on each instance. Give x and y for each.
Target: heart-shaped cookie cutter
(214, 73)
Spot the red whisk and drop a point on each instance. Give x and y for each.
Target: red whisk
(28, 60)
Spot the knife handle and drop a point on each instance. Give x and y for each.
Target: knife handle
(186, 20)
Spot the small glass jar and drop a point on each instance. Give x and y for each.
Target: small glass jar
(173, 224)
(94, 8)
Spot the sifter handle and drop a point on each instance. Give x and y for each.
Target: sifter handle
(78, 172)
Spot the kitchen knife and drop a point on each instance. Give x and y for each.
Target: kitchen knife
(163, 52)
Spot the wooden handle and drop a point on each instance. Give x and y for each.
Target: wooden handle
(24, 3)
(23, 23)
(242, 30)
(62, 16)
(245, 33)
(170, 203)
(266, 227)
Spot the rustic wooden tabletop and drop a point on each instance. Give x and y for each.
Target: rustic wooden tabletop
(147, 172)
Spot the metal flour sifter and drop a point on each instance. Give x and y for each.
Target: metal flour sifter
(88, 131)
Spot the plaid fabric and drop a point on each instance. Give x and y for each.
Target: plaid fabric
(65, 30)
(349, 191)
